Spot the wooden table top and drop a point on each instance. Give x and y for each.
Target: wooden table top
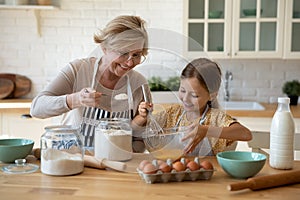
(108, 184)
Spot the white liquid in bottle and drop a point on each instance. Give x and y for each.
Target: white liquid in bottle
(282, 136)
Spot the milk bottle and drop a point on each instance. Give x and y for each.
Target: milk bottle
(282, 136)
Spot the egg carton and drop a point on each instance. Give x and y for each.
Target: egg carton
(174, 176)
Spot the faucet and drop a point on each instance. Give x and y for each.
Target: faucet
(228, 77)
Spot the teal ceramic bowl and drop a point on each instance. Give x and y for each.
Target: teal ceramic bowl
(16, 148)
(249, 12)
(215, 14)
(241, 164)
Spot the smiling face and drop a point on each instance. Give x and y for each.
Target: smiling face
(120, 62)
(193, 95)
(200, 83)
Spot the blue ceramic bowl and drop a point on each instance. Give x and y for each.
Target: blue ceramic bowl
(241, 164)
(12, 149)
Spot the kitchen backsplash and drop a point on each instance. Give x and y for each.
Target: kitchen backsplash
(66, 33)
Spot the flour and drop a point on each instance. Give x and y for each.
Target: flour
(61, 163)
(113, 144)
(121, 96)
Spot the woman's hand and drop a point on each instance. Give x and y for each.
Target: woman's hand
(89, 97)
(85, 97)
(195, 133)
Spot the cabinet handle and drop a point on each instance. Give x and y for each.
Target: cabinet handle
(26, 116)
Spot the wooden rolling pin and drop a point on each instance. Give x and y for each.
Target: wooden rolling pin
(91, 161)
(269, 181)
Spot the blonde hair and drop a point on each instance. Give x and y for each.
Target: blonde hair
(122, 32)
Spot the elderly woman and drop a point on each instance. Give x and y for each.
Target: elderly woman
(89, 89)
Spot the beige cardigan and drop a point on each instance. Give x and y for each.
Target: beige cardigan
(77, 75)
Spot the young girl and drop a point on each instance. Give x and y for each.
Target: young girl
(210, 130)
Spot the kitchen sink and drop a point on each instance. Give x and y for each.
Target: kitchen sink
(241, 105)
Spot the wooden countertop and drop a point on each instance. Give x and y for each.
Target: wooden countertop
(108, 184)
(268, 112)
(24, 105)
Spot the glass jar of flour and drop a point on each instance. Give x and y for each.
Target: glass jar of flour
(62, 151)
(113, 139)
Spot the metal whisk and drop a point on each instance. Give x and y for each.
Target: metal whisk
(153, 124)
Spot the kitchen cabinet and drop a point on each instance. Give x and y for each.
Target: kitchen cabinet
(14, 125)
(207, 28)
(242, 28)
(292, 21)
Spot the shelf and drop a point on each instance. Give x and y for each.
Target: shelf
(27, 7)
(36, 9)
(15, 103)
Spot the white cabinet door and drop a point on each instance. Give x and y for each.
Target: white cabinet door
(234, 28)
(207, 28)
(258, 27)
(292, 27)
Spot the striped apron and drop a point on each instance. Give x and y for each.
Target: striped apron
(93, 115)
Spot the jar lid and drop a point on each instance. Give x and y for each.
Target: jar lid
(59, 128)
(284, 100)
(20, 167)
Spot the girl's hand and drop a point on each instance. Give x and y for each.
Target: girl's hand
(143, 109)
(140, 120)
(195, 133)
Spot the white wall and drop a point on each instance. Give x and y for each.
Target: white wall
(67, 33)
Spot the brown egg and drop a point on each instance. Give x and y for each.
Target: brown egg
(179, 166)
(159, 162)
(207, 165)
(143, 163)
(193, 166)
(187, 160)
(184, 160)
(149, 169)
(164, 167)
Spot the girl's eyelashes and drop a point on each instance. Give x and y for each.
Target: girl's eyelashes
(182, 90)
(195, 96)
(191, 94)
